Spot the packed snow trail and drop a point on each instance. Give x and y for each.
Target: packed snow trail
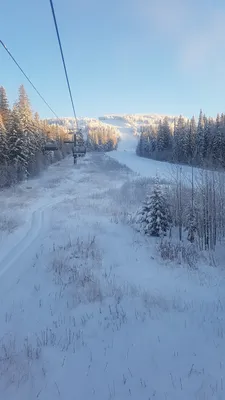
(90, 310)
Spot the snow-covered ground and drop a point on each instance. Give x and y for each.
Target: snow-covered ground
(88, 309)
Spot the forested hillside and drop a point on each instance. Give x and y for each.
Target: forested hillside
(134, 119)
(187, 141)
(70, 122)
(98, 136)
(101, 137)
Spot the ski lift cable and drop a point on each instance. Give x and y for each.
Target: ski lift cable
(63, 60)
(34, 87)
(33, 125)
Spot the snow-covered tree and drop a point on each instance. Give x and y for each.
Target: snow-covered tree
(181, 134)
(18, 150)
(144, 147)
(24, 102)
(4, 107)
(153, 217)
(4, 151)
(200, 139)
(166, 129)
(164, 142)
(192, 130)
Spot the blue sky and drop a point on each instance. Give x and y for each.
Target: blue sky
(123, 56)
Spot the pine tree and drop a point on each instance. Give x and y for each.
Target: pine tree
(18, 149)
(160, 137)
(4, 156)
(176, 144)
(4, 107)
(185, 143)
(145, 144)
(2, 126)
(36, 118)
(182, 132)
(153, 217)
(213, 150)
(166, 134)
(179, 140)
(200, 140)
(207, 136)
(192, 139)
(222, 133)
(24, 109)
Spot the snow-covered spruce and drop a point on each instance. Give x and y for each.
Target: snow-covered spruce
(153, 217)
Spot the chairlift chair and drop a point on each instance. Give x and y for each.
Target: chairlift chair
(68, 141)
(79, 148)
(51, 146)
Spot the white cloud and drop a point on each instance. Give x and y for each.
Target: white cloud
(198, 34)
(167, 17)
(205, 46)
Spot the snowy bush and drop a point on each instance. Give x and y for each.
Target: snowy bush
(8, 224)
(178, 252)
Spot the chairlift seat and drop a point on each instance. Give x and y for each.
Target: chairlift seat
(51, 147)
(79, 149)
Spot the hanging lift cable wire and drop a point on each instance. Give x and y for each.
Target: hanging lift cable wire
(33, 86)
(63, 61)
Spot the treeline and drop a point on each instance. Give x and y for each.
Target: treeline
(187, 141)
(101, 137)
(188, 215)
(22, 139)
(98, 136)
(70, 122)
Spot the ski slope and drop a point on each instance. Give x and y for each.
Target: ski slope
(128, 141)
(88, 309)
(145, 167)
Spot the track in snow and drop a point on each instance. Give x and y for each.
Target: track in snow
(19, 257)
(13, 256)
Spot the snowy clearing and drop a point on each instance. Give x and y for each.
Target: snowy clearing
(88, 308)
